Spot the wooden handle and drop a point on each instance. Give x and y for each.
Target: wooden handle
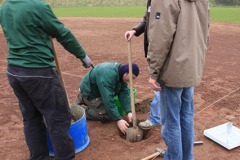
(59, 68)
(134, 119)
(154, 155)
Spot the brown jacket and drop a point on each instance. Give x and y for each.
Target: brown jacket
(178, 38)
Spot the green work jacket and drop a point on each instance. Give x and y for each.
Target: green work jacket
(104, 81)
(27, 26)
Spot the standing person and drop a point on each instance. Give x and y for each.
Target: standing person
(154, 118)
(178, 39)
(98, 89)
(27, 26)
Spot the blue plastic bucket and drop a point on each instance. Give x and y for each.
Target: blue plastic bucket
(79, 133)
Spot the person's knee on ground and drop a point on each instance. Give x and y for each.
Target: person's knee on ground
(94, 115)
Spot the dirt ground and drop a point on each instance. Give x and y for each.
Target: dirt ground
(217, 97)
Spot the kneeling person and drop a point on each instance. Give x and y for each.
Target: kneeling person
(98, 89)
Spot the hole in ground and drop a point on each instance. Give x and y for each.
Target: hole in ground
(142, 107)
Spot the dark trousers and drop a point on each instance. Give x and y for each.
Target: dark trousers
(95, 109)
(41, 94)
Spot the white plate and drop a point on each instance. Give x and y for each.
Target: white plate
(226, 135)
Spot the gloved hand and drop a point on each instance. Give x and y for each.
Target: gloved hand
(86, 62)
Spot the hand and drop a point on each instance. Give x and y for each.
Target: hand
(122, 125)
(154, 84)
(128, 35)
(86, 62)
(130, 117)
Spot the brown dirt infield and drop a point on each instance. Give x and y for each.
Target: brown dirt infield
(217, 97)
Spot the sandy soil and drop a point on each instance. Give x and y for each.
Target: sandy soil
(217, 97)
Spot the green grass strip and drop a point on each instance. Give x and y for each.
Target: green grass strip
(112, 11)
(218, 14)
(225, 14)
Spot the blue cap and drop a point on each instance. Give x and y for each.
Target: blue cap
(125, 69)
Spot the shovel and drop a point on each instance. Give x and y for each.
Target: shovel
(133, 134)
(75, 109)
(59, 68)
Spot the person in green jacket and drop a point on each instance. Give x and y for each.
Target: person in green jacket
(98, 89)
(28, 26)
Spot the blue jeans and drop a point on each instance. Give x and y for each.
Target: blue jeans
(40, 94)
(177, 113)
(155, 109)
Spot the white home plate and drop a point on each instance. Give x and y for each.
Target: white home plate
(226, 135)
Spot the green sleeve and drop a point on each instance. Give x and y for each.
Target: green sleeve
(0, 15)
(107, 89)
(56, 29)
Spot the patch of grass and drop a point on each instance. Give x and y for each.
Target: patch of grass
(218, 14)
(225, 14)
(113, 11)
